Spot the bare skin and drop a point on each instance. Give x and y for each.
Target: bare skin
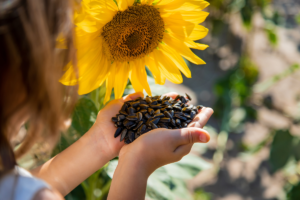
(93, 150)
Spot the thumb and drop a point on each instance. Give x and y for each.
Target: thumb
(189, 136)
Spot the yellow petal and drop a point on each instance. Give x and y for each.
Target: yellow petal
(178, 25)
(133, 78)
(142, 75)
(198, 33)
(177, 59)
(149, 2)
(184, 5)
(154, 68)
(121, 78)
(123, 4)
(105, 4)
(195, 17)
(167, 67)
(182, 49)
(163, 2)
(190, 43)
(110, 82)
(85, 61)
(94, 77)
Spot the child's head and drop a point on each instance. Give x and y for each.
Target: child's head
(30, 67)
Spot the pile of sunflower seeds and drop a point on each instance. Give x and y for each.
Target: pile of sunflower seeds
(141, 115)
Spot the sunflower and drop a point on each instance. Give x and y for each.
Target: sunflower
(116, 39)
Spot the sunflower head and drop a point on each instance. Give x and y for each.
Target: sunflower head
(133, 33)
(116, 39)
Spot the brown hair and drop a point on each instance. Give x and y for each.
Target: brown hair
(30, 62)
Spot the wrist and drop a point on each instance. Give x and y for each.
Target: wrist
(97, 148)
(136, 166)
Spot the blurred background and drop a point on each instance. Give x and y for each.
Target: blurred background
(252, 81)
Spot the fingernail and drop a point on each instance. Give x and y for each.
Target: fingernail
(208, 111)
(203, 138)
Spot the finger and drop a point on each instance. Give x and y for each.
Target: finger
(183, 150)
(133, 96)
(171, 94)
(188, 136)
(201, 119)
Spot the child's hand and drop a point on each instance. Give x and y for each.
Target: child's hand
(103, 130)
(152, 150)
(162, 146)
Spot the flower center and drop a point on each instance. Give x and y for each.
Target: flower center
(133, 33)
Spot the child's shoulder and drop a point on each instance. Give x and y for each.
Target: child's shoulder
(20, 184)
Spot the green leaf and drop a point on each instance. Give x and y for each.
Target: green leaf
(281, 149)
(84, 115)
(160, 188)
(194, 161)
(180, 190)
(297, 18)
(296, 149)
(294, 193)
(272, 36)
(177, 171)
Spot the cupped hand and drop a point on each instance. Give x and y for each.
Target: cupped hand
(163, 146)
(103, 130)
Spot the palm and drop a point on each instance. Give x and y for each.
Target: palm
(107, 128)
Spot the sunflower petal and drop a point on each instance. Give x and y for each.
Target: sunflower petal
(167, 67)
(154, 68)
(133, 78)
(142, 75)
(190, 43)
(123, 4)
(95, 77)
(177, 59)
(121, 78)
(110, 82)
(182, 49)
(198, 33)
(184, 5)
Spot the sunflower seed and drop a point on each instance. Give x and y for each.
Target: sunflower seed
(132, 118)
(127, 122)
(141, 115)
(156, 112)
(160, 115)
(121, 117)
(123, 134)
(138, 125)
(200, 107)
(155, 121)
(114, 119)
(143, 111)
(165, 119)
(153, 126)
(188, 97)
(131, 135)
(144, 106)
(150, 111)
(118, 132)
(158, 106)
(124, 107)
(123, 112)
(147, 115)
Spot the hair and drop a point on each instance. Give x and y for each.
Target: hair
(30, 62)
